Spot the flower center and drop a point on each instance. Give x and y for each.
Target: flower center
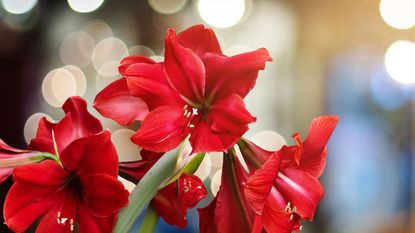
(66, 217)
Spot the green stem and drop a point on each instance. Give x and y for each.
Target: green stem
(150, 221)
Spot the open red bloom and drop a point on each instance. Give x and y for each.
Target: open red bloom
(281, 189)
(171, 202)
(197, 90)
(82, 191)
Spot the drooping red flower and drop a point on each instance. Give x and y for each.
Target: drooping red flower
(171, 202)
(282, 187)
(81, 190)
(196, 91)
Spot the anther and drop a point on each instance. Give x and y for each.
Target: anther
(191, 125)
(194, 111)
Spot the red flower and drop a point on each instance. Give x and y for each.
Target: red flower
(197, 91)
(283, 188)
(171, 203)
(81, 191)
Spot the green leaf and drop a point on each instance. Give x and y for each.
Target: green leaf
(189, 168)
(150, 221)
(194, 164)
(145, 190)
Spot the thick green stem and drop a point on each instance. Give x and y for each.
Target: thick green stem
(150, 221)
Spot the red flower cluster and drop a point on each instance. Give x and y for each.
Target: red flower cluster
(67, 179)
(196, 91)
(79, 190)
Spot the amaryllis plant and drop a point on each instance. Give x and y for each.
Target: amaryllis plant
(67, 179)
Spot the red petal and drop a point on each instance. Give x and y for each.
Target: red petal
(254, 155)
(44, 129)
(93, 154)
(301, 189)
(200, 40)
(104, 194)
(5, 173)
(162, 129)
(41, 179)
(116, 102)
(314, 158)
(204, 139)
(77, 123)
(148, 82)
(259, 185)
(169, 207)
(89, 223)
(135, 170)
(7, 151)
(257, 228)
(232, 213)
(46, 173)
(236, 74)
(20, 210)
(229, 116)
(130, 60)
(49, 222)
(207, 218)
(275, 219)
(191, 190)
(12, 157)
(184, 70)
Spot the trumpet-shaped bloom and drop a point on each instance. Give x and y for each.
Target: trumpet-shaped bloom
(281, 189)
(80, 191)
(196, 91)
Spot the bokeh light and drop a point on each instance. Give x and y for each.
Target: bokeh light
(85, 6)
(98, 30)
(58, 85)
(387, 93)
(400, 61)
(221, 13)
(101, 81)
(76, 49)
(158, 58)
(204, 169)
(269, 140)
(398, 14)
(79, 78)
(215, 182)
(127, 184)
(237, 49)
(18, 6)
(141, 50)
(31, 125)
(167, 7)
(216, 159)
(126, 150)
(107, 54)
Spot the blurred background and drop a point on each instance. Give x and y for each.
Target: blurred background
(352, 58)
